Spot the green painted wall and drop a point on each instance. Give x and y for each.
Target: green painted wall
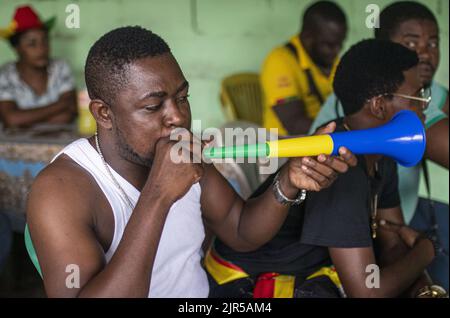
(210, 38)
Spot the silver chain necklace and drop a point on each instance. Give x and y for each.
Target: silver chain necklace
(97, 145)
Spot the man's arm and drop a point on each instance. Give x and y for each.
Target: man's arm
(392, 246)
(351, 265)
(281, 92)
(292, 115)
(401, 264)
(245, 226)
(61, 219)
(69, 114)
(62, 111)
(437, 142)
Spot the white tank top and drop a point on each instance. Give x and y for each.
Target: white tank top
(177, 271)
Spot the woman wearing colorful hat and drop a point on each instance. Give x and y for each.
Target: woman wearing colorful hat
(35, 88)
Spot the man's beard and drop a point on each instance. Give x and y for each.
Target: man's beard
(126, 152)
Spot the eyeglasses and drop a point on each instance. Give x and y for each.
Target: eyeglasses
(424, 99)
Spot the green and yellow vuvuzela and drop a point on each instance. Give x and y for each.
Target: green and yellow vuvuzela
(293, 147)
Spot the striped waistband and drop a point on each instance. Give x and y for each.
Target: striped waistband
(268, 285)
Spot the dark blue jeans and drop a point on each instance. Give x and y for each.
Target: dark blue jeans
(5, 239)
(422, 221)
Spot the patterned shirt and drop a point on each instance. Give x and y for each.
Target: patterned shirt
(13, 88)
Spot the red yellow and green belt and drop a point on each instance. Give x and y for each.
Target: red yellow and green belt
(268, 285)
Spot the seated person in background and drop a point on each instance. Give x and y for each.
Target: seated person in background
(338, 226)
(36, 88)
(296, 78)
(414, 26)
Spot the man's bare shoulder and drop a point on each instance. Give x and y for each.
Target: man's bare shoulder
(62, 186)
(61, 217)
(65, 174)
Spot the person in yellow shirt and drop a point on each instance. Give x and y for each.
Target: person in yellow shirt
(296, 77)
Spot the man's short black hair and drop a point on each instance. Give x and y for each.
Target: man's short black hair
(320, 11)
(371, 68)
(110, 57)
(398, 12)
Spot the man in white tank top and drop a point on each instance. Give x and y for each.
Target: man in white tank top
(114, 216)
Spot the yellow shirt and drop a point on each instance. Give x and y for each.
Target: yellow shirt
(285, 76)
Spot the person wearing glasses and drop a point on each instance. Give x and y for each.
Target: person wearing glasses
(423, 100)
(414, 26)
(349, 240)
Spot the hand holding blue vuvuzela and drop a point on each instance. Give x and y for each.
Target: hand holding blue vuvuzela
(402, 138)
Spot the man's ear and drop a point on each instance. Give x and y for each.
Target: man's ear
(378, 107)
(101, 112)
